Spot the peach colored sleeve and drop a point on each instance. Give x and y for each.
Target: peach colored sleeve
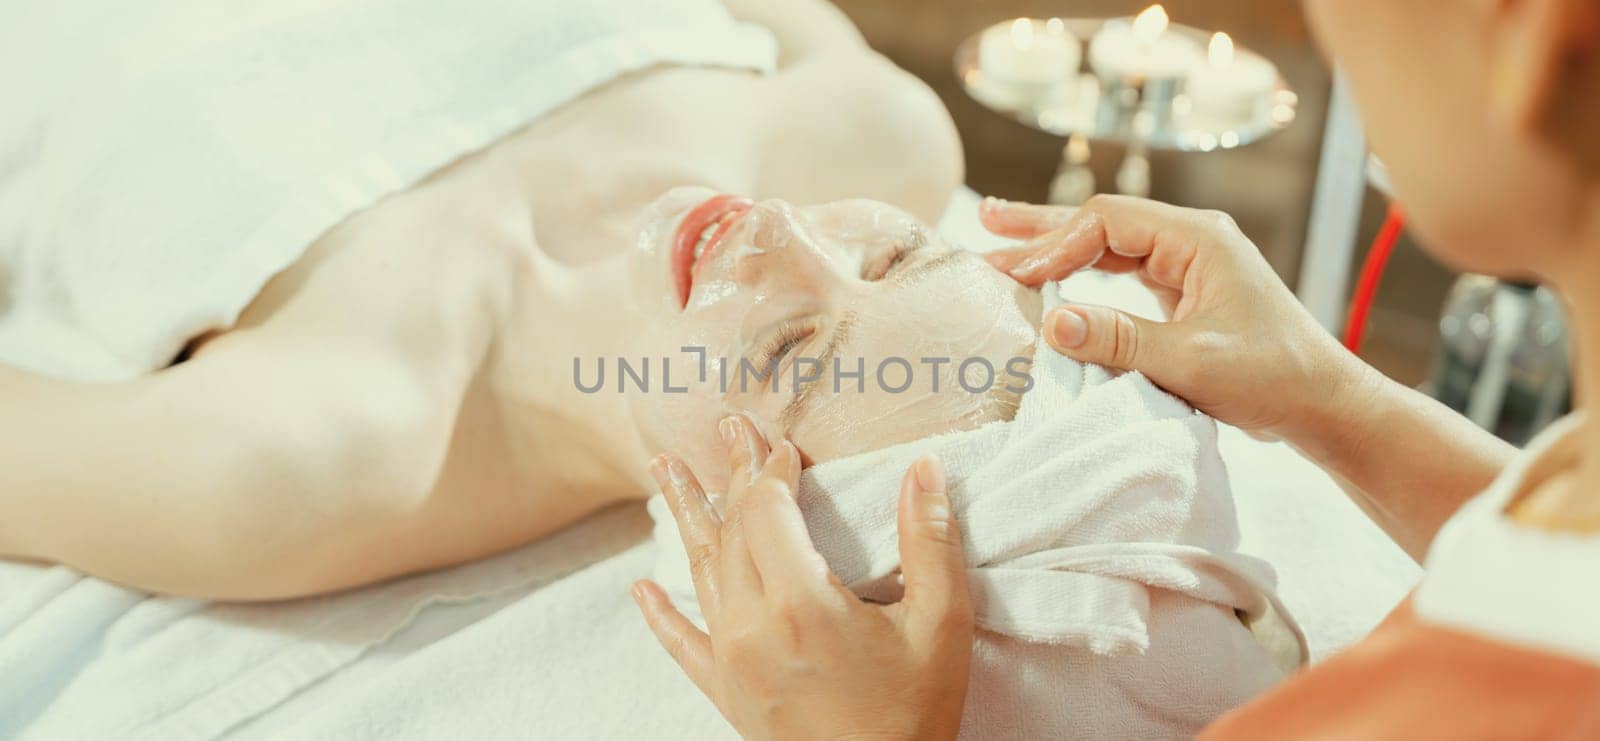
(1412, 680)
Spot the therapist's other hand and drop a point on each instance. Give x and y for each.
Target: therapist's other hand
(792, 653)
(1237, 344)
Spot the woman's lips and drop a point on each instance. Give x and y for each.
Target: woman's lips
(722, 210)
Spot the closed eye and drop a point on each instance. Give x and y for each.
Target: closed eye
(914, 240)
(784, 341)
(902, 250)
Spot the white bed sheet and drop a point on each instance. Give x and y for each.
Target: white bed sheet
(543, 641)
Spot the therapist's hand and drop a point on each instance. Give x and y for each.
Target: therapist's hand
(791, 653)
(1237, 345)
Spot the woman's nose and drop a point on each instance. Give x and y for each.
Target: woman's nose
(774, 226)
(782, 253)
(788, 256)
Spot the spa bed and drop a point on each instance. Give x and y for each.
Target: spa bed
(542, 641)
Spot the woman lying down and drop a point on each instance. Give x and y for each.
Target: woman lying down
(371, 385)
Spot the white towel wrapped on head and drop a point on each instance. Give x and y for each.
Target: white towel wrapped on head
(1099, 532)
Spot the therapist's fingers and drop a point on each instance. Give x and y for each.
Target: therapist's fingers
(1021, 220)
(747, 454)
(1078, 244)
(931, 557)
(777, 533)
(1110, 233)
(699, 527)
(1132, 225)
(1007, 258)
(683, 640)
(1115, 339)
(1116, 232)
(1060, 254)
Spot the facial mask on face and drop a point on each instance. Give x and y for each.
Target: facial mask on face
(791, 271)
(982, 336)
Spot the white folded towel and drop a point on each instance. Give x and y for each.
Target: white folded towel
(1100, 533)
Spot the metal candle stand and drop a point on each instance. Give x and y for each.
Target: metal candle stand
(1142, 113)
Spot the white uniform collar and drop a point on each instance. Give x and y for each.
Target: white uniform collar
(1488, 575)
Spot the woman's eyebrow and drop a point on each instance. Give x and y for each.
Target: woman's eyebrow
(839, 335)
(918, 270)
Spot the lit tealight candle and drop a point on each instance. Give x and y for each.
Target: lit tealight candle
(1142, 49)
(1231, 83)
(1029, 53)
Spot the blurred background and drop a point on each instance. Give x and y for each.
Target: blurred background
(1267, 186)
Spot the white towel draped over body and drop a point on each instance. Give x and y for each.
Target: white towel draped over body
(161, 160)
(1099, 531)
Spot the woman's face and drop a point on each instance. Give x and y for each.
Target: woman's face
(845, 327)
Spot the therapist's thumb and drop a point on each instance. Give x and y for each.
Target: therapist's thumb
(1105, 336)
(931, 556)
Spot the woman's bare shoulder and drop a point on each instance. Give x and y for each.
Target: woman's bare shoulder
(439, 248)
(803, 27)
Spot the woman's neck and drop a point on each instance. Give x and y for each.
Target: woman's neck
(583, 442)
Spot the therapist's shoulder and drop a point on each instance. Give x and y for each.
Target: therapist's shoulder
(1415, 678)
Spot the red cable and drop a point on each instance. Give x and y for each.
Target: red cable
(1355, 325)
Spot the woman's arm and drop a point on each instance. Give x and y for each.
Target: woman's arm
(293, 454)
(1241, 348)
(236, 477)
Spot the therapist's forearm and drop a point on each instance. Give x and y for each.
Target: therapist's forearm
(1408, 460)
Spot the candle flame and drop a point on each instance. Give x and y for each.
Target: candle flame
(1022, 33)
(1220, 54)
(1150, 23)
(1078, 149)
(1055, 26)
